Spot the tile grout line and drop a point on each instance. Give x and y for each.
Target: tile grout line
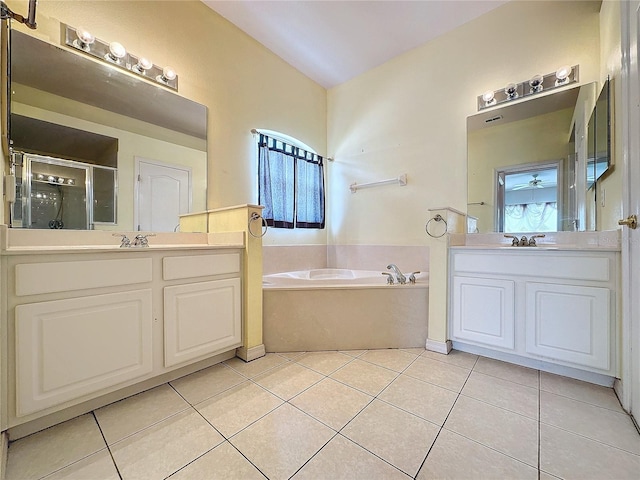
(93, 413)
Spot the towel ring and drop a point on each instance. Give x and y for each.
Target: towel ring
(255, 216)
(437, 218)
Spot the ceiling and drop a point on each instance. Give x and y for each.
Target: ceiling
(334, 41)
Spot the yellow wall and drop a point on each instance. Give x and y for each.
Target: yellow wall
(242, 83)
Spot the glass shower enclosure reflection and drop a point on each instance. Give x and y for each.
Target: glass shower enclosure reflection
(57, 194)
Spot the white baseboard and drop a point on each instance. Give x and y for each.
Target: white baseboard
(439, 347)
(251, 353)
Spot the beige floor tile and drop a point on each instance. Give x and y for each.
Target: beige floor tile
(504, 431)
(394, 435)
(423, 399)
(331, 402)
(392, 359)
(454, 357)
(456, 457)
(365, 376)
(503, 393)
(571, 456)
(54, 448)
(438, 373)
(282, 441)
(257, 366)
(166, 447)
(222, 463)
(98, 466)
(324, 362)
(585, 392)
(288, 380)
(291, 355)
(238, 407)
(600, 424)
(353, 353)
(507, 371)
(547, 476)
(206, 383)
(414, 351)
(128, 416)
(341, 459)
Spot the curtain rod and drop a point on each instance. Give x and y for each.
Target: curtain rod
(256, 132)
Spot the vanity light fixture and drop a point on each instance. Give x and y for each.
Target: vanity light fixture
(536, 84)
(116, 55)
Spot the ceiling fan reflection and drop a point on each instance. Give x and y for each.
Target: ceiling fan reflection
(535, 183)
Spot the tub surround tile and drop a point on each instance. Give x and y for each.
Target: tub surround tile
(572, 456)
(439, 373)
(508, 371)
(454, 357)
(54, 448)
(392, 434)
(98, 466)
(282, 441)
(392, 359)
(582, 391)
(287, 381)
(324, 362)
(503, 393)
(256, 367)
(504, 431)
(408, 258)
(222, 463)
(456, 457)
(340, 452)
(128, 416)
(365, 376)
(233, 410)
(425, 400)
(206, 383)
(166, 447)
(333, 403)
(291, 258)
(604, 425)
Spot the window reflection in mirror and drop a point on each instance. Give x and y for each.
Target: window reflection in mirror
(525, 138)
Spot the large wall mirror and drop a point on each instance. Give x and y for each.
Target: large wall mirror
(532, 165)
(92, 144)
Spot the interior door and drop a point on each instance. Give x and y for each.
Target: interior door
(631, 206)
(163, 194)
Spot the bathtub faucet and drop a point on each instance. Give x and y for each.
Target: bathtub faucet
(399, 276)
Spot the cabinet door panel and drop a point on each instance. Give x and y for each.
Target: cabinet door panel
(483, 311)
(69, 348)
(201, 319)
(569, 323)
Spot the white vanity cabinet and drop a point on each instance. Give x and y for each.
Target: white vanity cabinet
(84, 325)
(557, 306)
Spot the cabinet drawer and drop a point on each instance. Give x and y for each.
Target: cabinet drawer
(569, 323)
(174, 268)
(200, 319)
(483, 311)
(69, 348)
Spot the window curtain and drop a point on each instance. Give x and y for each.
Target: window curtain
(290, 185)
(531, 217)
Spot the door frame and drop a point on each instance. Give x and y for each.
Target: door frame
(628, 388)
(136, 189)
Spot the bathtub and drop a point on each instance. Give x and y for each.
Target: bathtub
(339, 309)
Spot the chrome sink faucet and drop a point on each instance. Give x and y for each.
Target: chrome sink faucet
(514, 242)
(399, 276)
(523, 242)
(141, 240)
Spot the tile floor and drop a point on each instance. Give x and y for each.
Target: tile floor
(378, 414)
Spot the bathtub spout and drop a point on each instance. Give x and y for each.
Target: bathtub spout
(399, 276)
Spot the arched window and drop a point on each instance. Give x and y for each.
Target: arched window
(290, 183)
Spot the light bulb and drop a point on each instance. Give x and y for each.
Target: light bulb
(85, 39)
(562, 74)
(536, 83)
(143, 65)
(169, 73)
(116, 52)
(489, 98)
(511, 91)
